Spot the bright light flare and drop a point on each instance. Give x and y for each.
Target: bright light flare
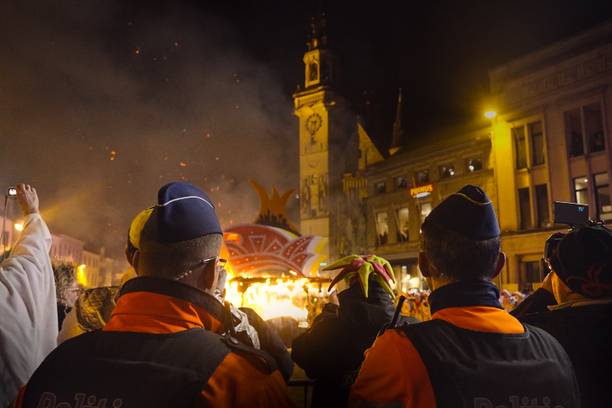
(276, 296)
(81, 276)
(490, 114)
(19, 226)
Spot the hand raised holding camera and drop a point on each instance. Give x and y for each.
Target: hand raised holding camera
(27, 199)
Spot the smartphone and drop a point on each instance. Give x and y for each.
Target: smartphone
(572, 214)
(12, 192)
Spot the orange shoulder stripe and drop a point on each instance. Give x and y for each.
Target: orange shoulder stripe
(392, 372)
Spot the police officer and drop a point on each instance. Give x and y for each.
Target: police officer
(574, 305)
(471, 353)
(159, 348)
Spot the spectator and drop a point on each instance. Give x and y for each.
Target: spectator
(159, 348)
(66, 289)
(574, 304)
(91, 311)
(28, 313)
(331, 351)
(94, 307)
(472, 353)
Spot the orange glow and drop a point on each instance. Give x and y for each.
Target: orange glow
(273, 297)
(81, 276)
(421, 191)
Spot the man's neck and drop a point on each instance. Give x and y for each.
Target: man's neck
(438, 282)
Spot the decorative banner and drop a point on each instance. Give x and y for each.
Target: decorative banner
(421, 191)
(261, 250)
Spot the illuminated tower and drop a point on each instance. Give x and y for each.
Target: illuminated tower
(328, 140)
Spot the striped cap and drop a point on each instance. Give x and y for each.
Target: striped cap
(183, 212)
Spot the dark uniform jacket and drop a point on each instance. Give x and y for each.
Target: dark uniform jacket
(331, 351)
(159, 349)
(471, 354)
(584, 329)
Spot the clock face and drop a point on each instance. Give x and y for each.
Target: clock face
(313, 123)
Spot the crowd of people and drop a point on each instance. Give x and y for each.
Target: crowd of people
(168, 338)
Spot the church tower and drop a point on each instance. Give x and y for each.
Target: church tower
(328, 141)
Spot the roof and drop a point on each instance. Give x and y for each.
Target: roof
(559, 50)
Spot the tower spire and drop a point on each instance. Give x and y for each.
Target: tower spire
(396, 141)
(317, 38)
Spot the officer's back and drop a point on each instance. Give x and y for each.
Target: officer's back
(472, 353)
(159, 348)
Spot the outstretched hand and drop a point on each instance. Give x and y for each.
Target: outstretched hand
(27, 199)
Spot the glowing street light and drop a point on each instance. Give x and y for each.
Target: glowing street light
(80, 275)
(490, 114)
(19, 226)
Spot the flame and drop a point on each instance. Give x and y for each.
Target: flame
(276, 296)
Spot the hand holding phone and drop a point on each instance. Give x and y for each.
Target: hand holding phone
(27, 199)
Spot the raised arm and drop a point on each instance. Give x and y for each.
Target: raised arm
(28, 327)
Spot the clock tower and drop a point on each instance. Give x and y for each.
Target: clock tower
(328, 140)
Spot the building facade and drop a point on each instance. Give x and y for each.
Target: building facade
(95, 269)
(550, 141)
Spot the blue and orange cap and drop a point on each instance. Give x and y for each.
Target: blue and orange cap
(183, 212)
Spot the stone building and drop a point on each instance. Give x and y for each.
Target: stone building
(549, 141)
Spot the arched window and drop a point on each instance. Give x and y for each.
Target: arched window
(313, 71)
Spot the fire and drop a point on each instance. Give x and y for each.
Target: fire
(273, 297)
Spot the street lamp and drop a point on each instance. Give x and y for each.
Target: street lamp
(490, 114)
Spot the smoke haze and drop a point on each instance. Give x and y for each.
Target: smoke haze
(100, 106)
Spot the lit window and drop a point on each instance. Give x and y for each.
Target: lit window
(422, 177)
(474, 165)
(425, 210)
(447, 170)
(520, 147)
(380, 187)
(602, 196)
(537, 143)
(382, 228)
(581, 190)
(403, 224)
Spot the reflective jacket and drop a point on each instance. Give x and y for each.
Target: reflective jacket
(467, 356)
(159, 349)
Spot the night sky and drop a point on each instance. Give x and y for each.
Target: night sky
(102, 102)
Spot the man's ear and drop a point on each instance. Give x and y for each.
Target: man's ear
(501, 261)
(424, 265)
(135, 261)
